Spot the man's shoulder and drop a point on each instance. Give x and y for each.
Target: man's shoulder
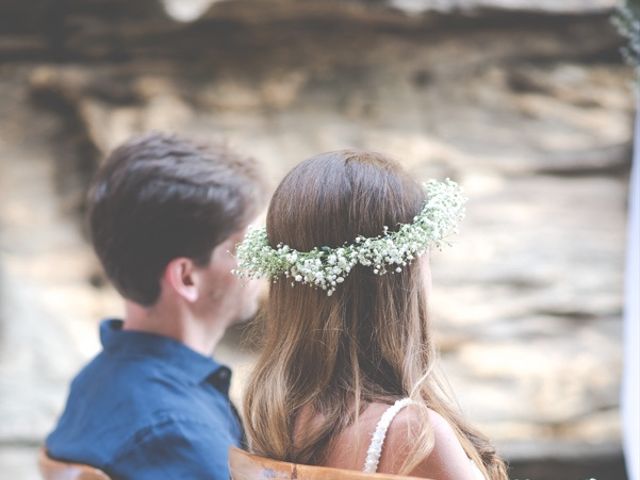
(117, 404)
(114, 371)
(134, 391)
(138, 390)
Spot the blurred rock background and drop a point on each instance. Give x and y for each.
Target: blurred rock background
(525, 102)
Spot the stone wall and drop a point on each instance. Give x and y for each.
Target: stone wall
(530, 110)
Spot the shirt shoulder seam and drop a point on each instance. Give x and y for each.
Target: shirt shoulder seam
(144, 433)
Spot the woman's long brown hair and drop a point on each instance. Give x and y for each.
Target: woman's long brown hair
(368, 342)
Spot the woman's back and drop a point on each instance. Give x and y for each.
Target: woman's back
(351, 448)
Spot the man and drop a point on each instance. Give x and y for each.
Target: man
(164, 216)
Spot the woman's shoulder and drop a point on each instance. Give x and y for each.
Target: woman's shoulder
(411, 419)
(447, 459)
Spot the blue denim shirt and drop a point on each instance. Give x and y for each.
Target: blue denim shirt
(148, 407)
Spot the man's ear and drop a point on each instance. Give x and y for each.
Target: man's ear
(180, 275)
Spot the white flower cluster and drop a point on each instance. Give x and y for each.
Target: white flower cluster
(326, 267)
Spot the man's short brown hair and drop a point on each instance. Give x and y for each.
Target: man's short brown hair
(159, 197)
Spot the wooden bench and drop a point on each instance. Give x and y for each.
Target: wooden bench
(245, 466)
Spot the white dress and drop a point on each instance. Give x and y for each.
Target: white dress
(377, 440)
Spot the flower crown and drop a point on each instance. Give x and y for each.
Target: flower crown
(326, 267)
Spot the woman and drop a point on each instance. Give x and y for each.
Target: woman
(346, 375)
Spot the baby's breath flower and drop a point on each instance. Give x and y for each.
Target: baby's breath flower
(325, 267)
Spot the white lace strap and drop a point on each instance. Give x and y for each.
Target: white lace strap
(375, 448)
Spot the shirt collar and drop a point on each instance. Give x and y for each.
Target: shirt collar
(196, 366)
